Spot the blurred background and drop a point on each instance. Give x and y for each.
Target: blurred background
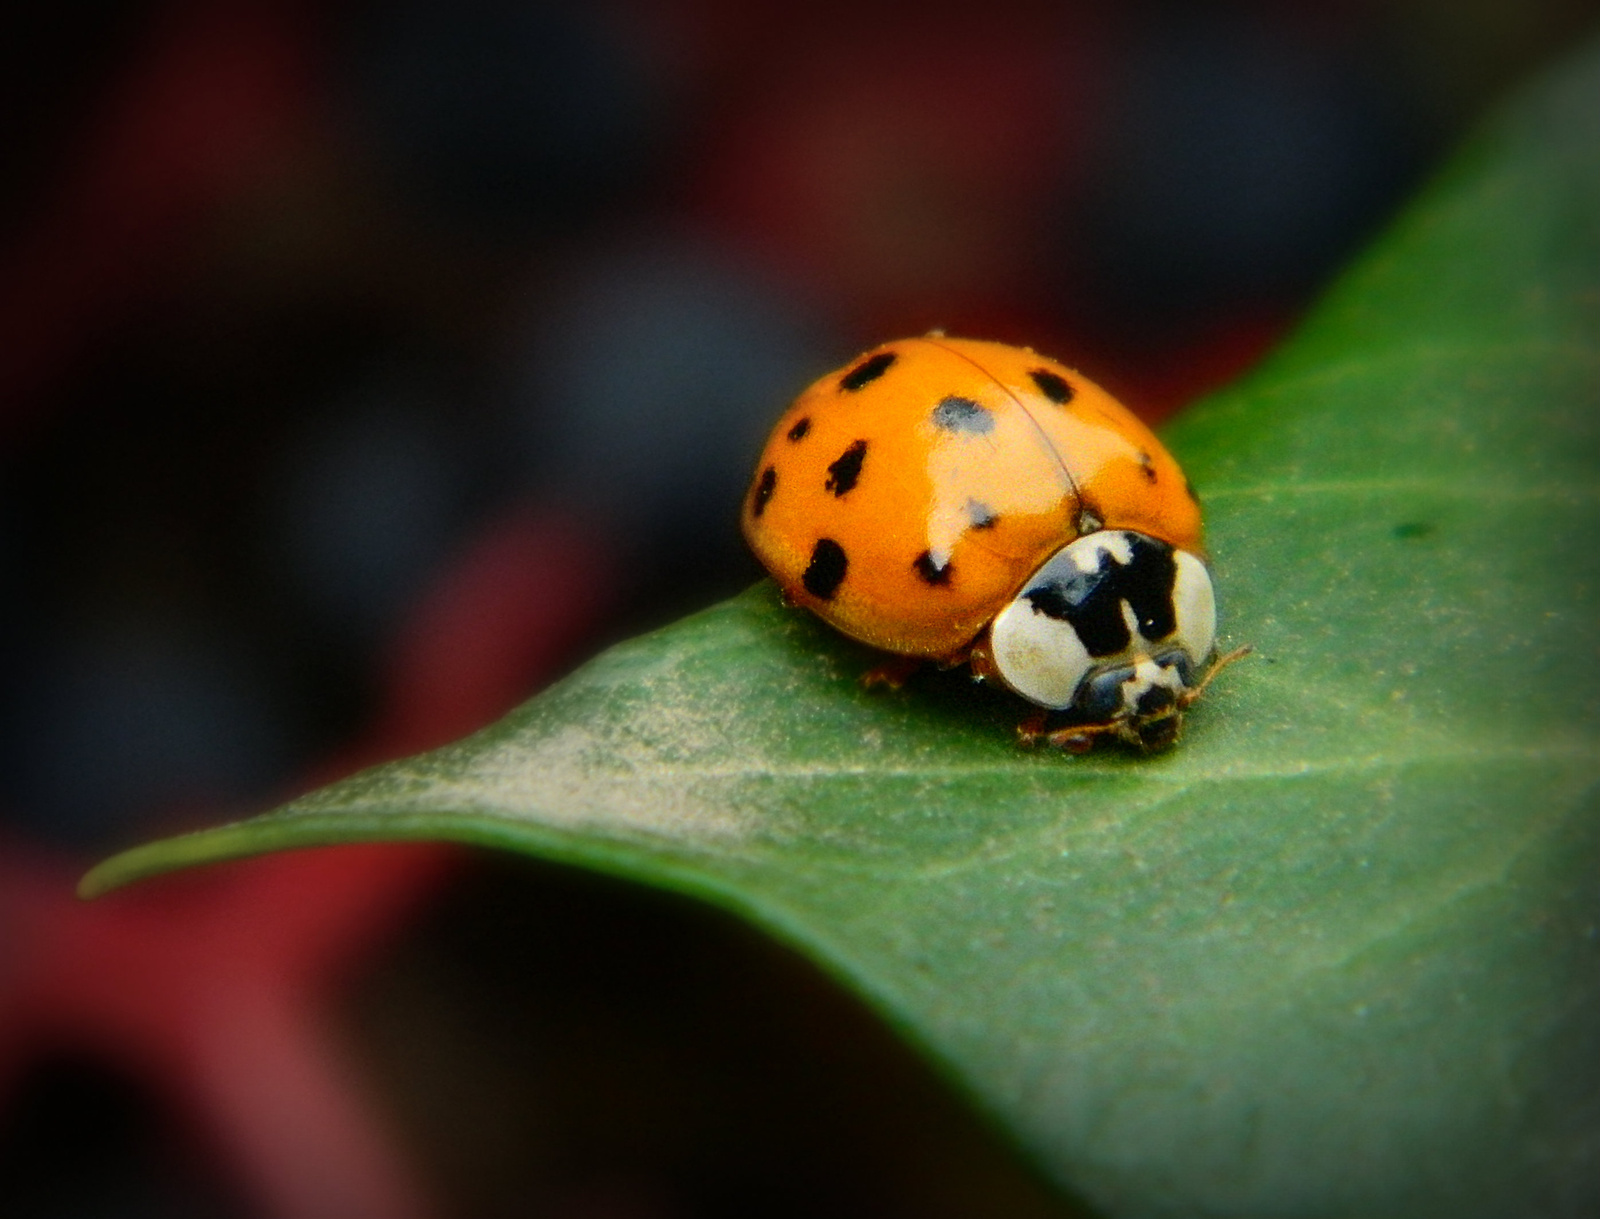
(366, 366)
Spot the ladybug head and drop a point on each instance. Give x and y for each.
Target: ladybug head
(1112, 630)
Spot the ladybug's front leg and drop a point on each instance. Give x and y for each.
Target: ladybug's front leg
(1074, 738)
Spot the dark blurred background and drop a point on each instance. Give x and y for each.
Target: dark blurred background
(365, 366)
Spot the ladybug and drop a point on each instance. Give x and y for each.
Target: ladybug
(969, 502)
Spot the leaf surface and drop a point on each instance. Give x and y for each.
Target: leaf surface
(1336, 954)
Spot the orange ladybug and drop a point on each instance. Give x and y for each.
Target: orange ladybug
(972, 502)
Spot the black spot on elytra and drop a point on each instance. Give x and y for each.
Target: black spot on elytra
(1147, 466)
(826, 570)
(981, 516)
(844, 473)
(765, 485)
(1091, 601)
(931, 572)
(866, 372)
(1052, 385)
(800, 428)
(955, 414)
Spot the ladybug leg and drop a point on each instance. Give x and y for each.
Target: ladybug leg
(1075, 738)
(894, 672)
(982, 662)
(1189, 697)
(1031, 731)
(1081, 738)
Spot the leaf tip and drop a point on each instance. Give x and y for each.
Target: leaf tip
(168, 855)
(110, 874)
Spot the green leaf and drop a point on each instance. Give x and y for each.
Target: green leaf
(1338, 953)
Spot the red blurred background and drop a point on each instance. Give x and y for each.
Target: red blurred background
(368, 365)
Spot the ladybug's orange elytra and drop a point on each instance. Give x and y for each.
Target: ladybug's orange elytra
(908, 497)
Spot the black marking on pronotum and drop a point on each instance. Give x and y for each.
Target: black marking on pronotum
(931, 572)
(844, 473)
(955, 414)
(1147, 466)
(981, 516)
(866, 372)
(1052, 385)
(826, 570)
(801, 426)
(765, 485)
(1091, 601)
